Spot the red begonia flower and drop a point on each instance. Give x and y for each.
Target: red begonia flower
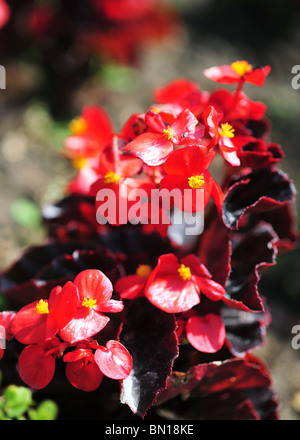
(222, 134)
(95, 291)
(133, 286)
(90, 133)
(41, 320)
(4, 13)
(154, 146)
(37, 363)
(186, 169)
(238, 71)
(82, 371)
(114, 360)
(175, 287)
(206, 333)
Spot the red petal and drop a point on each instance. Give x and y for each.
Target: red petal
(84, 376)
(167, 290)
(174, 90)
(154, 122)
(94, 284)
(172, 294)
(184, 126)
(152, 148)
(5, 322)
(63, 303)
(211, 119)
(222, 74)
(85, 324)
(30, 327)
(122, 164)
(187, 161)
(36, 369)
(206, 334)
(258, 76)
(114, 360)
(131, 286)
(210, 288)
(111, 306)
(99, 126)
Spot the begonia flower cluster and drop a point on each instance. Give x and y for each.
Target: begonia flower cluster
(64, 326)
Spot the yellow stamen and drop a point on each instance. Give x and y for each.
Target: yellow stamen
(112, 177)
(78, 126)
(196, 182)
(168, 133)
(79, 163)
(143, 270)
(227, 130)
(89, 303)
(42, 307)
(185, 272)
(241, 67)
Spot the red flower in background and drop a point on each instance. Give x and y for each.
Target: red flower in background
(4, 13)
(176, 287)
(238, 71)
(90, 133)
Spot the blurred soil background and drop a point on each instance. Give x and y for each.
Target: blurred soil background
(216, 32)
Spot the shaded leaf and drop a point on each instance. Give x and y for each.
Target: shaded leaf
(259, 191)
(149, 335)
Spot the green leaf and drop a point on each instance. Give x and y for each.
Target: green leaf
(26, 213)
(47, 410)
(17, 400)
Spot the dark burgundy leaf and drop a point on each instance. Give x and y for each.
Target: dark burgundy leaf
(229, 390)
(258, 191)
(215, 241)
(284, 222)
(35, 259)
(149, 335)
(61, 263)
(252, 251)
(245, 331)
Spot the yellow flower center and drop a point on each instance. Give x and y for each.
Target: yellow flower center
(241, 67)
(112, 177)
(227, 130)
(42, 307)
(168, 133)
(78, 126)
(89, 303)
(185, 272)
(79, 163)
(196, 182)
(143, 270)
